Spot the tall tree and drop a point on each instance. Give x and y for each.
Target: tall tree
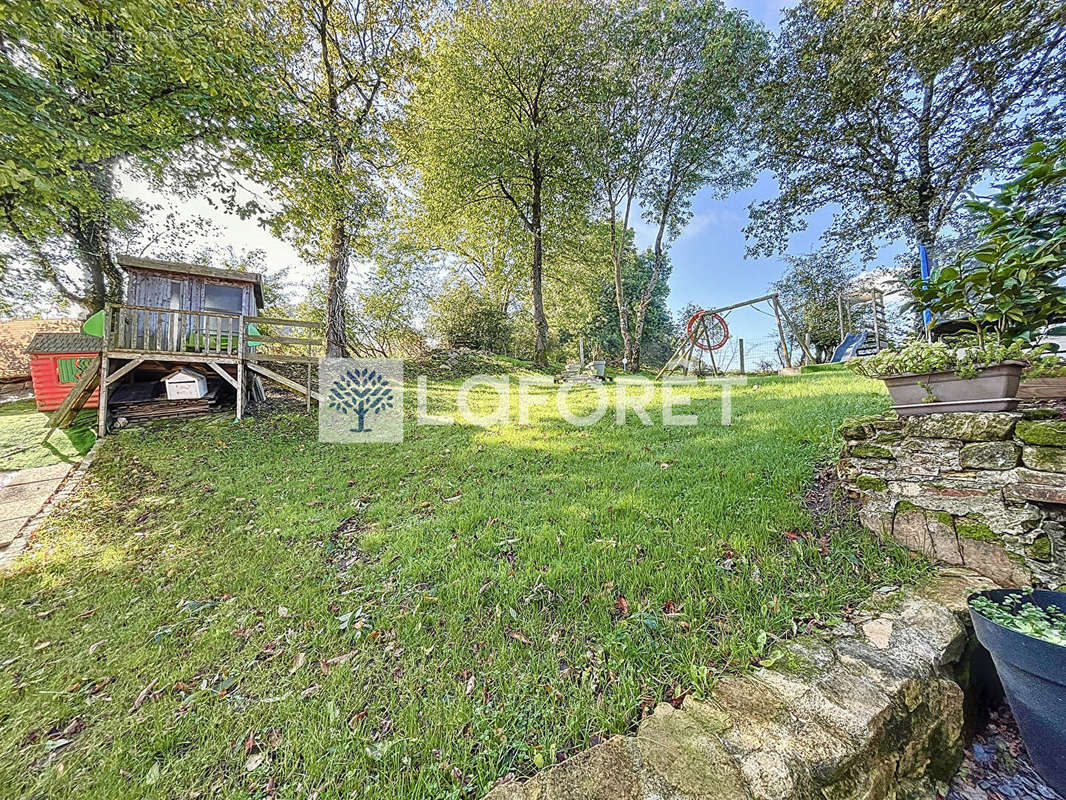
(340, 73)
(892, 109)
(497, 117)
(675, 119)
(84, 86)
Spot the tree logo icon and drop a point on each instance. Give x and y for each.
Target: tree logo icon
(360, 400)
(361, 392)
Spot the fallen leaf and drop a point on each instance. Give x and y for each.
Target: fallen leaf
(519, 636)
(255, 761)
(470, 685)
(297, 664)
(621, 606)
(147, 690)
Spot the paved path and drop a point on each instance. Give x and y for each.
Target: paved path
(22, 496)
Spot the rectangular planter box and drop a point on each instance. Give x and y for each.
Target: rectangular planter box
(994, 389)
(1042, 389)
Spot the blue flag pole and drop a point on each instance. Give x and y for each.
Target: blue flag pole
(927, 315)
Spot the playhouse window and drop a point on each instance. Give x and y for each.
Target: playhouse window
(223, 298)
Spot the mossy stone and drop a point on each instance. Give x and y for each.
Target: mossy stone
(1040, 413)
(869, 451)
(855, 428)
(989, 455)
(967, 426)
(1043, 432)
(868, 483)
(1048, 459)
(1040, 550)
(974, 528)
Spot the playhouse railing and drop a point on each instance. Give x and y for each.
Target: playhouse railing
(213, 334)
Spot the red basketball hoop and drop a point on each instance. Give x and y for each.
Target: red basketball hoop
(717, 332)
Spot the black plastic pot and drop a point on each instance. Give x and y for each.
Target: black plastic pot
(1033, 673)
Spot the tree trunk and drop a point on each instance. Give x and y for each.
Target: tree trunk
(90, 230)
(336, 316)
(540, 322)
(649, 289)
(617, 251)
(921, 219)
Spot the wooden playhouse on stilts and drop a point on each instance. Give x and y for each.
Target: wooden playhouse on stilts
(189, 340)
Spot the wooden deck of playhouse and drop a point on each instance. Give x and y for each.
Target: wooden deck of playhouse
(238, 348)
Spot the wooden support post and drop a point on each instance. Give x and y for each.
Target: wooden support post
(677, 352)
(740, 346)
(309, 378)
(840, 314)
(118, 373)
(581, 350)
(781, 334)
(101, 413)
(710, 350)
(804, 341)
(241, 371)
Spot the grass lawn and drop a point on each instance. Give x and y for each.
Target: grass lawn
(21, 424)
(238, 610)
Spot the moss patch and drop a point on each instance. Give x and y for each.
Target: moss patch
(1040, 550)
(870, 451)
(868, 483)
(975, 528)
(1044, 432)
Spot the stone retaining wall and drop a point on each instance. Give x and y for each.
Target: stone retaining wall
(871, 710)
(984, 490)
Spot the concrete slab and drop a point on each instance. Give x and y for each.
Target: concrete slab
(29, 493)
(16, 510)
(51, 472)
(9, 529)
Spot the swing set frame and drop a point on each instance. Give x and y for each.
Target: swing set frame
(698, 335)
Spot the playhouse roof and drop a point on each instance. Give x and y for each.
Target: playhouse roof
(63, 342)
(198, 270)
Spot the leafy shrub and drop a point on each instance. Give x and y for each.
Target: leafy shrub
(964, 359)
(460, 317)
(1009, 286)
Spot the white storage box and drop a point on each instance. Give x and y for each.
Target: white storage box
(185, 384)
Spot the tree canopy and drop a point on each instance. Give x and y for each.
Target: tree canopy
(890, 111)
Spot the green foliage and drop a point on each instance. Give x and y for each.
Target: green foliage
(966, 359)
(495, 121)
(461, 317)
(888, 111)
(84, 85)
(1016, 611)
(1009, 284)
(658, 332)
(674, 117)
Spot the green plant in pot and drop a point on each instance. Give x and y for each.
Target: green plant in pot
(1025, 633)
(1005, 292)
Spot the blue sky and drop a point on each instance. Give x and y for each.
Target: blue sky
(710, 268)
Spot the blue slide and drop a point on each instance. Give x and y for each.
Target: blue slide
(849, 347)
